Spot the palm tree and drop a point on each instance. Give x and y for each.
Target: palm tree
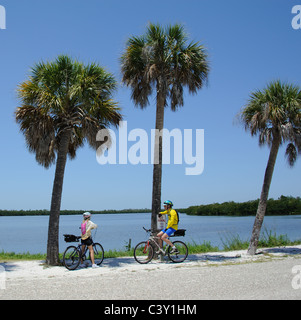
(275, 115)
(162, 61)
(64, 104)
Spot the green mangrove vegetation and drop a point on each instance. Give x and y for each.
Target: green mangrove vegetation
(282, 206)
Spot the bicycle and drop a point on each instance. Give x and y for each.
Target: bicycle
(145, 250)
(73, 255)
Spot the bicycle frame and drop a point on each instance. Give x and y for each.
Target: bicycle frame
(83, 254)
(73, 255)
(152, 240)
(145, 250)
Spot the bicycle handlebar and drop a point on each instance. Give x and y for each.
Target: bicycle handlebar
(147, 230)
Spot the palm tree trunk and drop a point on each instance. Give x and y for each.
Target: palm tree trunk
(54, 218)
(264, 193)
(157, 169)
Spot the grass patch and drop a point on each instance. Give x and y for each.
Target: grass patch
(233, 242)
(268, 239)
(206, 246)
(21, 256)
(118, 254)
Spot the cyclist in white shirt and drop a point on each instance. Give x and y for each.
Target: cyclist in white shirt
(86, 227)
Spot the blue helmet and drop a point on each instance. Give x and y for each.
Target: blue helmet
(168, 202)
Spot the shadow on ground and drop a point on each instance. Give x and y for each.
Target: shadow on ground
(286, 250)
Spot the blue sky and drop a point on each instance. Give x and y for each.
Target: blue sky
(249, 43)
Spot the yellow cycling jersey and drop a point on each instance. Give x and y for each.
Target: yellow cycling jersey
(172, 218)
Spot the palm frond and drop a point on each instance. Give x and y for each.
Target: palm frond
(291, 154)
(39, 131)
(65, 95)
(163, 61)
(275, 109)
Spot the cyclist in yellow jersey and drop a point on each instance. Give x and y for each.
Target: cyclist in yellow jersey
(172, 224)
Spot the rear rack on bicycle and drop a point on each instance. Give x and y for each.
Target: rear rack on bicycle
(71, 238)
(179, 233)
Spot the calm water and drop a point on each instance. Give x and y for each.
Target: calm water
(29, 233)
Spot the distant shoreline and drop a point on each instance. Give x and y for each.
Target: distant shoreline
(23, 213)
(11, 213)
(283, 206)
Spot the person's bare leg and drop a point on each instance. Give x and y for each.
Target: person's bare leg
(159, 235)
(83, 250)
(91, 254)
(165, 239)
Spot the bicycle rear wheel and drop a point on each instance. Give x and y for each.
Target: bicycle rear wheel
(71, 258)
(181, 253)
(143, 252)
(98, 253)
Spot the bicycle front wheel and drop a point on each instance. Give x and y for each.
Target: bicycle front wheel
(71, 258)
(180, 254)
(143, 252)
(98, 253)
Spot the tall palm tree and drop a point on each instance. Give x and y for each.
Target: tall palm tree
(64, 104)
(162, 61)
(275, 115)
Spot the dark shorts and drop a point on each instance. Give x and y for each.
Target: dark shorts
(87, 242)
